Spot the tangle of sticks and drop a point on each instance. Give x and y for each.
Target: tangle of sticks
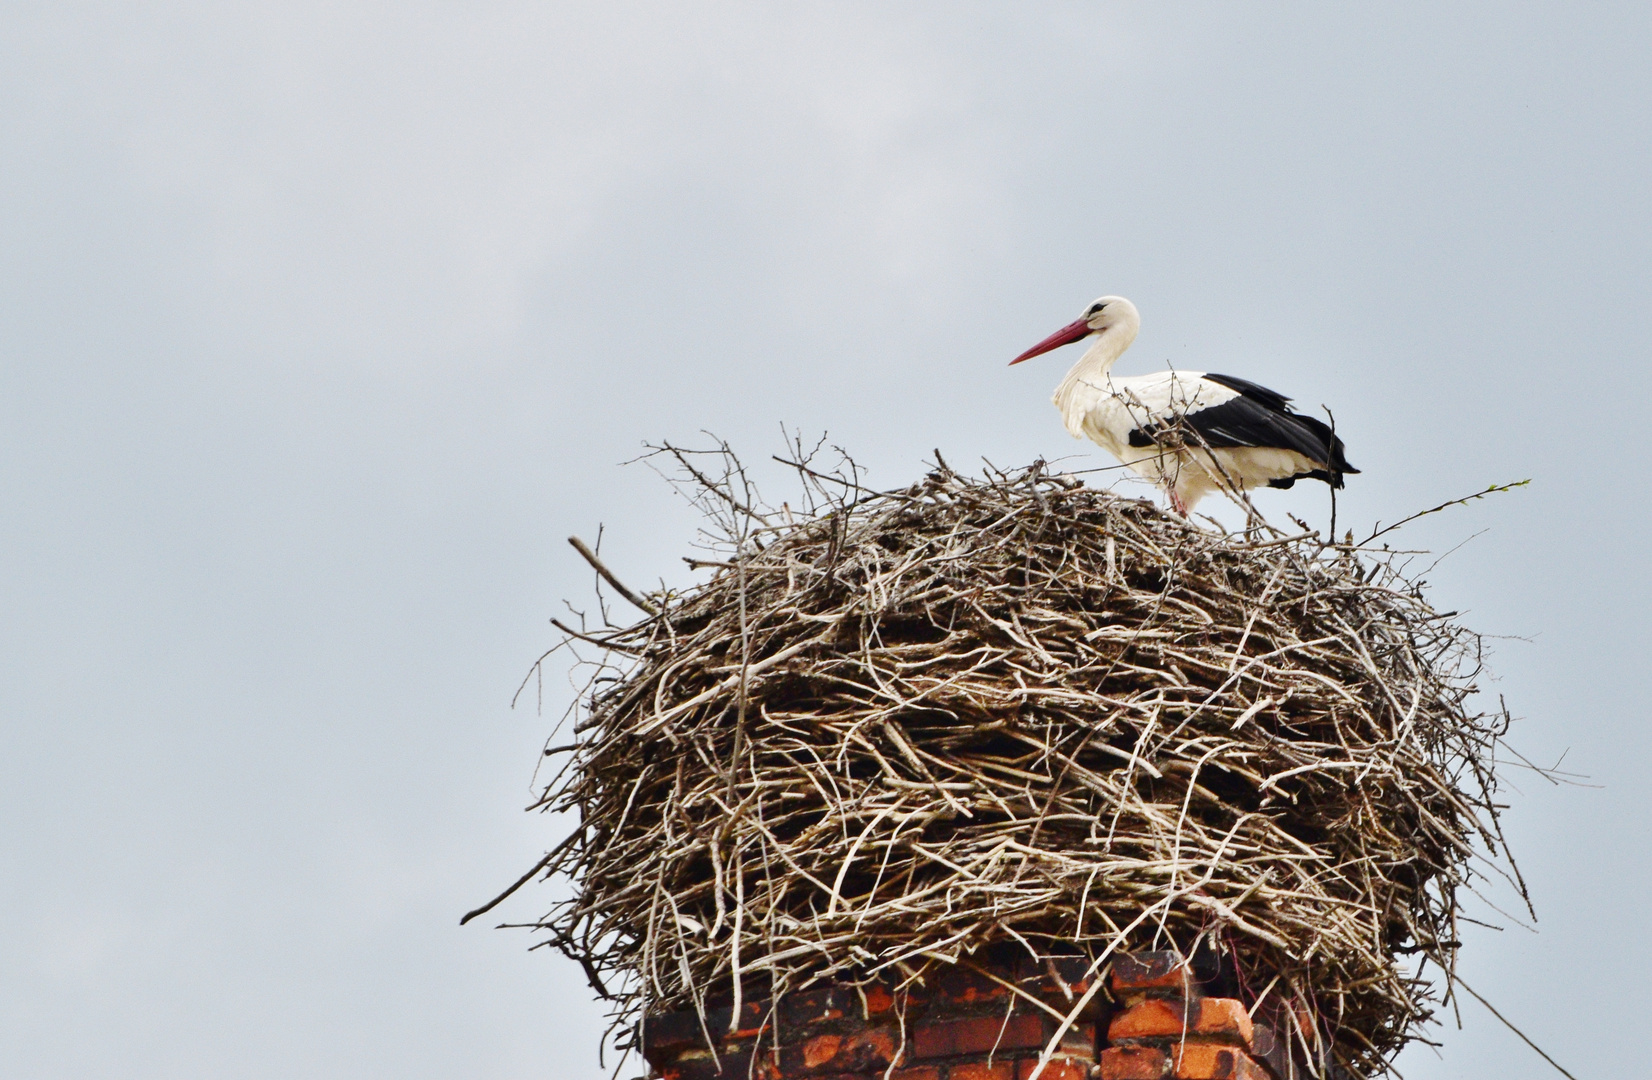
(894, 727)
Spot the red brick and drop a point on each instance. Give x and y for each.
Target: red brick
(933, 1041)
(874, 1047)
(878, 1000)
(1209, 1018)
(1153, 971)
(1079, 1041)
(820, 1049)
(1209, 1061)
(1055, 1069)
(863, 1051)
(977, 1035)
(980, 1070)
(960, 986)
(702, 1065)
(1151, 1019)
(817, 1006)
(1134, 1063)
(1045, 977)
(922, 1072)
(1225, 1019)
(669, 1033)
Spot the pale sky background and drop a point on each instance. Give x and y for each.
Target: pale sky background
(323, 325)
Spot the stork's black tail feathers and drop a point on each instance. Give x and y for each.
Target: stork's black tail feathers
(1329, 450)
(1265, 419)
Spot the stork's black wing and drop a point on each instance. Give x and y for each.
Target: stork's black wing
(1261, 417)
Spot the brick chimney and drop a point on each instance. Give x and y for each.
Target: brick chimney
(990, 1020)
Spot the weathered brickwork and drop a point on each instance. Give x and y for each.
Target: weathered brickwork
(1166, 1027)
(1152, 1021)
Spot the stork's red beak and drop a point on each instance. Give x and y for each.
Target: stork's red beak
(1065, 336)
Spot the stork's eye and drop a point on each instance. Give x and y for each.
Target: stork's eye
(1095, 309)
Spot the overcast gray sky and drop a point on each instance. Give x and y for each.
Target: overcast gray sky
(323, 324)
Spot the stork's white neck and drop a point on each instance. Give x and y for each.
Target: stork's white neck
(1076, 393)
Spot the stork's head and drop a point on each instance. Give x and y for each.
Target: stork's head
(1103, 314)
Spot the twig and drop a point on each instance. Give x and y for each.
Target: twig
(608, 576)
(1458, 979)
(1490, 490)
(604, 643)
(525, 878)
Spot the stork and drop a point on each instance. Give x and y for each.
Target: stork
(1189, 432)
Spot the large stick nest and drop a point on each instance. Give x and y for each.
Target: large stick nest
(899, 726)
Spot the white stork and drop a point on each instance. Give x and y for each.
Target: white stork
(1189, 432)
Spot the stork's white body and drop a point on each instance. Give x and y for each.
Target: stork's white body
(1171, 427)
(1105, 409)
